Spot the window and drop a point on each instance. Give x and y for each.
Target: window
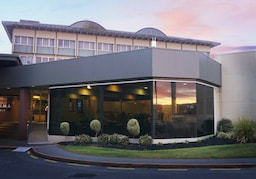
(183, 109)
(26, 60)
(123, 102)
(205, 110)
(80, 103)
(44, 59)
(113, 105)
(66, 44)
(105, 47)
(45, 42)
(123, 48)
(83, 45)
(139, 47)
(175, 109)
(21, 40)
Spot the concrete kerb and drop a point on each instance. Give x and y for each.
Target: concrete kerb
(140, 165)
(8, 147)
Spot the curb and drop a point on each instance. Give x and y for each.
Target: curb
(7, 147)
(140, 165)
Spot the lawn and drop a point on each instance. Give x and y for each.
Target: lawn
(215, 152)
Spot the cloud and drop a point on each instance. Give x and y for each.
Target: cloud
(225, 21)
(231, 49)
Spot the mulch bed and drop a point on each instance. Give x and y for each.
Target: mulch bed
(206, 142)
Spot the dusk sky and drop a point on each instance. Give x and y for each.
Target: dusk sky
(230, 22)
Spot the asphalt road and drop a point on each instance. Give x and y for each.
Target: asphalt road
(19, 165)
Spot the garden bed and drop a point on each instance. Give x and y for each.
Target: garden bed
(207, 142)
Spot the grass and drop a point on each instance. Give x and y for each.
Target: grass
(215, 152)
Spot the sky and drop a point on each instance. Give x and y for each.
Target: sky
(229, 22)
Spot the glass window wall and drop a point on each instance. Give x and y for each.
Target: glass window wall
(205, 110)
(174, 109)
(113, 105)
(123, 102)
(179, 109)
(78, 106)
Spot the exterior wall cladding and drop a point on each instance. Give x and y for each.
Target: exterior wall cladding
(139, 64)
(121, 80)
(237, 94)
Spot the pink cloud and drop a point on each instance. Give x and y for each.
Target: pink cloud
(224, 21)
(230, 49)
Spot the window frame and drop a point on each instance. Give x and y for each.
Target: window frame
(68, 44)
(23, 40)
(123, 48)
(86, 45)
(45, 42)
(106, 47)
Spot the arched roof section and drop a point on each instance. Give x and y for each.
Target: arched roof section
(85, 24)
(151, 31)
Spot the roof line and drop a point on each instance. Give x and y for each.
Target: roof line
(35, 25)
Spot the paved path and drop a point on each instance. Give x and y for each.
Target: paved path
(54, 152)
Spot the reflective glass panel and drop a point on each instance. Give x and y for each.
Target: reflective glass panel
(123, 102)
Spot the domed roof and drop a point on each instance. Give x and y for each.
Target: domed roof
(87, 25)
(151, 31)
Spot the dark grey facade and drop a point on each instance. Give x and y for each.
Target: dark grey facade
(139, 64)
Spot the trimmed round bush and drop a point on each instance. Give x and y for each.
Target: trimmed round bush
(64, 128)
(83, 139)
(95, 125)
(225, 125)
(133, 127)
(245, 130)
(145, 140)
(103, 139)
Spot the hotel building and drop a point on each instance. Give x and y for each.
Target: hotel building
(169, 84)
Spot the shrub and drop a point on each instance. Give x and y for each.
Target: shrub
(225, 135)
(83, 139)
(119, 139)
(245, 130)
(133, 127)
(113, 138)
(95, 125)
(64, 128)
(145, 140)
(225, 125)
(103, 139)
(122, 140)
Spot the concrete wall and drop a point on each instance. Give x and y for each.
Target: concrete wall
(237, 94)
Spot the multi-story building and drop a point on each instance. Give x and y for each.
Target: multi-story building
(35, 42)
(171, 88)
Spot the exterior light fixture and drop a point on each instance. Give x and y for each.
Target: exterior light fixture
(89, 87)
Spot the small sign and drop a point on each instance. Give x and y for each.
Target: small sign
(22, 149)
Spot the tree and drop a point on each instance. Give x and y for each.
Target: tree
(95, 125)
